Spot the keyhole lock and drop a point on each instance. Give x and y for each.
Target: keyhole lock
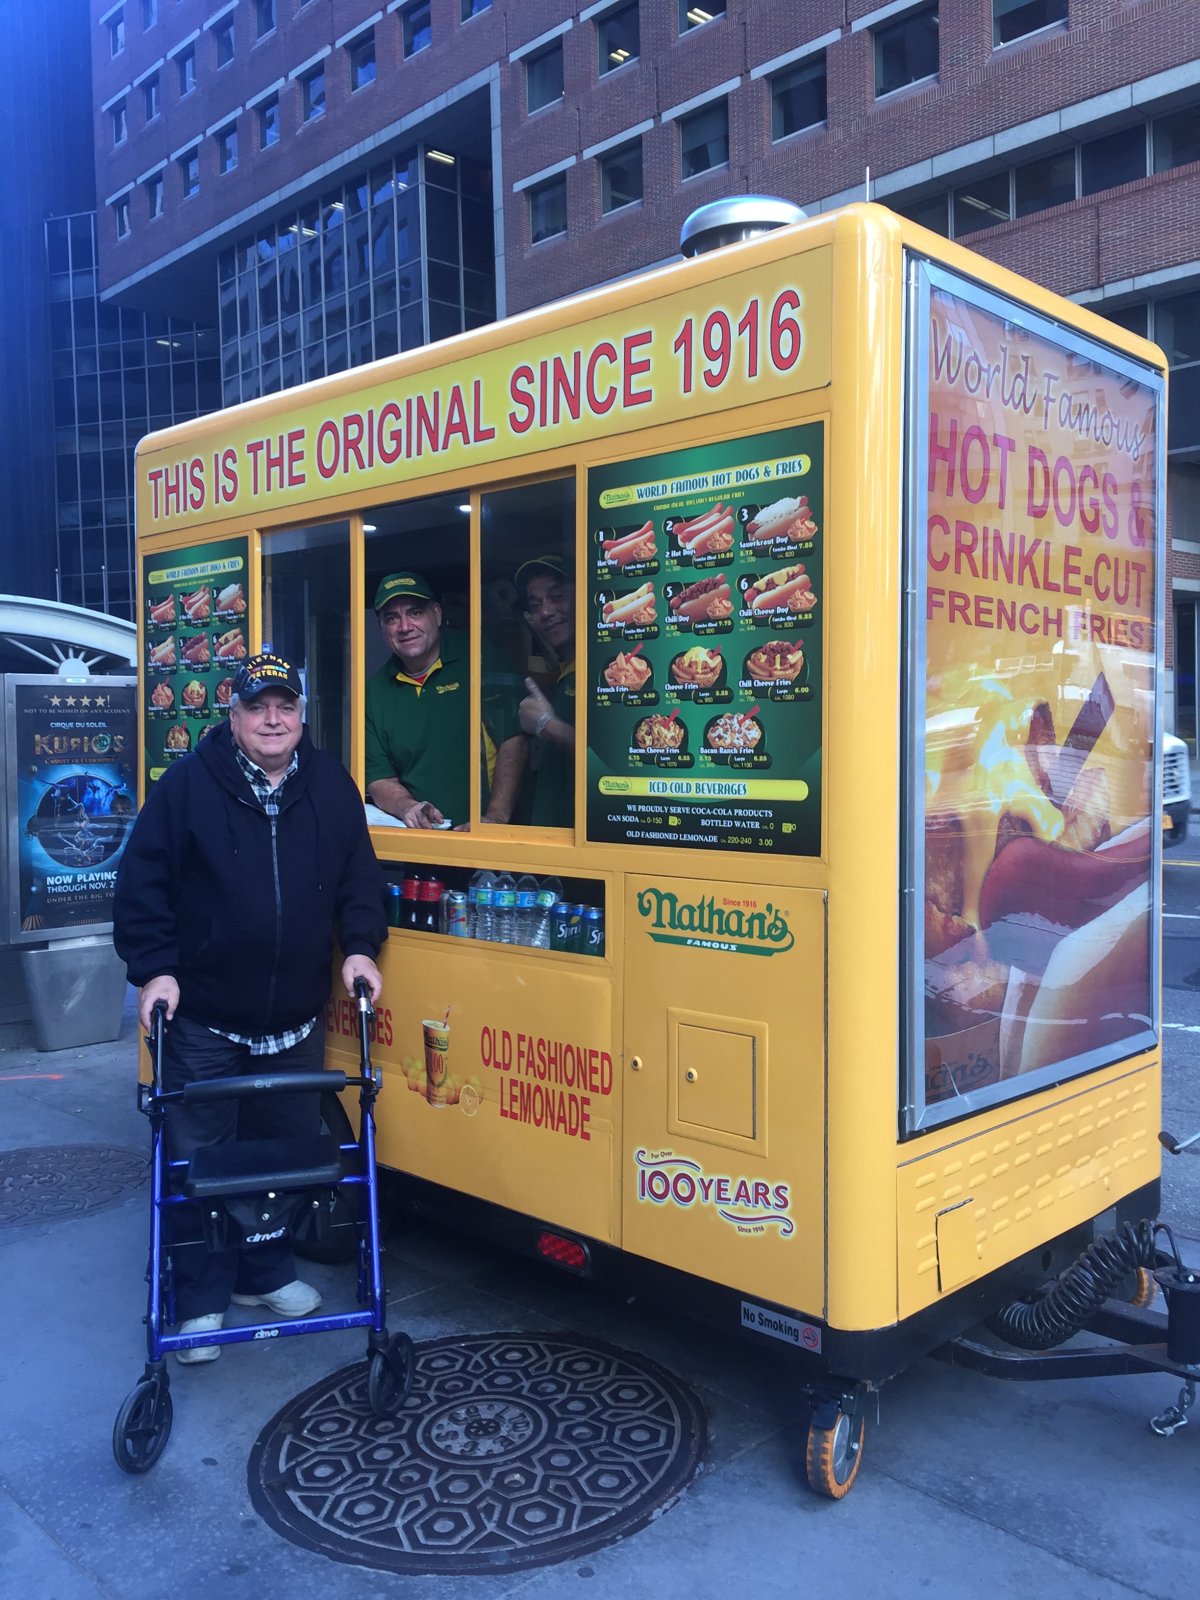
(635, 1063)
(691, 1075)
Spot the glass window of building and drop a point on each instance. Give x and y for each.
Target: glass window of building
(121, 213)
(548, 209)
(223, 41)
(268, 122)
(418, 28)
(474, 8)
(149, 13)
(362, 60)
(618, 37)
(906, 50)
(1112, 159)
(154, 195)
(185, 63)
(704, 139)
(1177, 139)
(621, 176)
(227, 154)
(189, 173)
(1013, 19)
(150, 97)
(544, 77)
(1134, 318)
(932, 213)
(312, 95)
(116, 33)
(1177, 327)
(798, 97)
(983, 203)
(120, 123)
(264, 17)
(1049, 181)
(695, 16)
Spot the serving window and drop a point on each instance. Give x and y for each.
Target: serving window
(306, 619)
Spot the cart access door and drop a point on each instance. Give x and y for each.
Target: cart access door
(725, 1083)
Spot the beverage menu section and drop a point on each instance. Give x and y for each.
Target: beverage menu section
(704, 645)
(195, 633)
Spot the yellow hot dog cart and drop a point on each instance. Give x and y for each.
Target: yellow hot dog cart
(866, 540)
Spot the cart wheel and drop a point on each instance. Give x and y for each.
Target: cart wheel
(143, 1425)
(834, 1455)
(390, 1376)
(1144, 1289)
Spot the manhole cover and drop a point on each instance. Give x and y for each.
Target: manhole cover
(512, 1451)
(64, 1180)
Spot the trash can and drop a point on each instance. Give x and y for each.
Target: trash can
(76, 992)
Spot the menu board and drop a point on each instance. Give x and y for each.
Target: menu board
(704, 645)
(196, 632)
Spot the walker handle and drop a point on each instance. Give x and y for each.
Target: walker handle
(248, 1085)
(154, 1041)
(366, 1016)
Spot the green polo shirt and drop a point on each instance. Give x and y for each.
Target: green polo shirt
(554, 788)
(421, 734)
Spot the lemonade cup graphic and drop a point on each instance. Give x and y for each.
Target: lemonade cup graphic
(437, 1055)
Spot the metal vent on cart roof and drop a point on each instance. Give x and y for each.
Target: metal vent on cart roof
(742, 216)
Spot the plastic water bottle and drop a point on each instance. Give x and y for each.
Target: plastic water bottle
(480, 894)
(525, 919)
(504, 908)
(548, 894)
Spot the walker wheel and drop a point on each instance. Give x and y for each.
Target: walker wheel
(1145, 1289)
(143, 1425)
(390, 1376)
(834, 1455)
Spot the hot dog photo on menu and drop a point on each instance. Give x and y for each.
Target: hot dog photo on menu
(1037, 835)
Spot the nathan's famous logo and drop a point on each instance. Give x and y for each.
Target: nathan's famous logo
(750, 1204)
(743, 926)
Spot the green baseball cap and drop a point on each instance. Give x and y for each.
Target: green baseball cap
(526, 570)
(402, 583)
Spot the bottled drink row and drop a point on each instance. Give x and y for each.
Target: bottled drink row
(498, 908)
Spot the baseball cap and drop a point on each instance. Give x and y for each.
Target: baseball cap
(410, 583)
(257, 673)
(526, 570)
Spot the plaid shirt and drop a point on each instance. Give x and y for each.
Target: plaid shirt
(267, 1044)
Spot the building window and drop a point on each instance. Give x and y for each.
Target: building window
(264, 17)
(1177, 140)
(227, 149)
(151, 97)
(544, 77)
(906, 51)
(362, 61)
(930, 213)
(798, 98)
(149, 13)
(268, 123)
(186, 63)
(1111, 159)
(1049, 181)
(548, 209)
(189, 173)
(621, 177)
(1133, 318)
(983, 203)
(617, 32)
(312, 95)
(223, 41)
(704, 139)
(1013, 19)
(121, 213)
(474, 8)
(695, 16)
(418, 29)
(154, 195)
(116, 34)
(120, 123)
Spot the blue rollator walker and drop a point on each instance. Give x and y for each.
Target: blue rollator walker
(259, 1186)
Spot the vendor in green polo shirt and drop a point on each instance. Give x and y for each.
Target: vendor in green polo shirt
(548, 598)
(418, 733)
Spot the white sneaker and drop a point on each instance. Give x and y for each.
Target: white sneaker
(295, 1299)
(204, 1352)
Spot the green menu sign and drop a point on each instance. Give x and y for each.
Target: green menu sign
(704, 646)
(195, 635)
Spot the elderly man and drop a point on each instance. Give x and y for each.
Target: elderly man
(548, 597)
(418, 733)
(248, 858)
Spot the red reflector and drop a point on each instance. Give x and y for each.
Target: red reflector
(567, 1252)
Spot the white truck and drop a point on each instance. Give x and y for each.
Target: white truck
(1177, 790)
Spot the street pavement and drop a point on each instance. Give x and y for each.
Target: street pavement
(971, 1488)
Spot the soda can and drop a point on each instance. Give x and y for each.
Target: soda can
(454, 913)
(593, 931)
(564, 926)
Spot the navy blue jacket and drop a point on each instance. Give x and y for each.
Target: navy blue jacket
(242, 910)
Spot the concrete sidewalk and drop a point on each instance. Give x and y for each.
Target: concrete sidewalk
(971, 1489)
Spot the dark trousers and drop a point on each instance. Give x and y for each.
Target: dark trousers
(192, 1053)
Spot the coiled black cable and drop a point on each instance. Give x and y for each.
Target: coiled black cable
(1080, 1291)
